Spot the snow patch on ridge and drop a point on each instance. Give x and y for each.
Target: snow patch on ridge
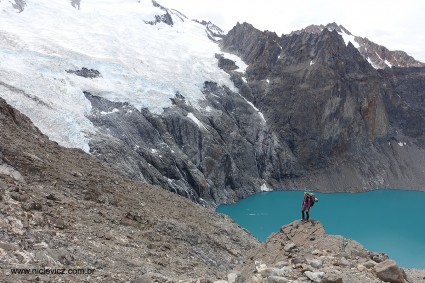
(196, 120)
(238, 61)
(349, 38)
(255, 108)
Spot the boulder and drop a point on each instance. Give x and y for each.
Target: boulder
(369, 264)
(277, 279)
(289, 247)
(235, 277)
(331, 278)
(281, 264)
(314, 276)
(316, 263)
(388, 271)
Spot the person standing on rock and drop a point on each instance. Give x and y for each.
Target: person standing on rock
(308, 201)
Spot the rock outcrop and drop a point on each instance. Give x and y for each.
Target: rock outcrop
(304, 252)
(212, 157)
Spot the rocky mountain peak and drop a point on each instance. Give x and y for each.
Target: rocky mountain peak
(377, 55)
(319, 28)
(214, 32)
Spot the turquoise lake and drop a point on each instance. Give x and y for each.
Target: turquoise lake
(390, 221)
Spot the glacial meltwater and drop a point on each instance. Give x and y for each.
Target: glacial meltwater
(390, 221)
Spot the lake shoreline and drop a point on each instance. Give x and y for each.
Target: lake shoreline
(371, 218)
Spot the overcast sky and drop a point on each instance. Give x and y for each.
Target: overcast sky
(398, 25)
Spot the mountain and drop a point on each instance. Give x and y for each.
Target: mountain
(349, 126)
(61, 209)
(377, 55)
(215, 118)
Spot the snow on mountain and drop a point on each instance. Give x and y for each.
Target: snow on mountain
(139, 59)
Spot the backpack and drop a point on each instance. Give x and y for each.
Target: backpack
(313, 199)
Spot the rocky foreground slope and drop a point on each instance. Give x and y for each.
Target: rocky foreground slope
(61, 209)
(303, 252)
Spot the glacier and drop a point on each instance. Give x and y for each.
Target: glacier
(139, 63)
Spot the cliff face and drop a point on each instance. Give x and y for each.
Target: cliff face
(344, 121)
(321, 117)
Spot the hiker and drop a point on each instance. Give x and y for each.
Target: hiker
(308, 201)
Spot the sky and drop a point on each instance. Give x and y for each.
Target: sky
(398, 25)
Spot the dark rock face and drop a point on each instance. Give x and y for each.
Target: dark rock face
(86, 73)
(76, 4)
(323, 118)
(382, 58)
(342, 119)
(220, 155)
(19, 5)
(407, 104)
(213, 32)
(165, 18)
(226, 64)
(379, 56)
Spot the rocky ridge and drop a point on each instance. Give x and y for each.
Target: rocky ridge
(377, 55)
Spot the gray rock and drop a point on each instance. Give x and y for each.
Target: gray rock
(277, 279)
(269, 272)
(388, 271)
(370, 264)
(316, 263)
(235, 277)
(281, 264)
(331, 278)
(314, 276)
(344, 262)
(280, 272)
(297, 260)
(289, 247)
(86, 73)
(19, 5)
(378, 257)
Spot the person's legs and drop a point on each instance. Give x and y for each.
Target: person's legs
(308, 215)
(302, 211)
